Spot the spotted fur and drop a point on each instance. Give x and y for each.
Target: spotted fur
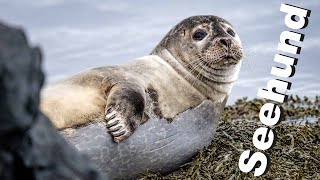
(179, 74)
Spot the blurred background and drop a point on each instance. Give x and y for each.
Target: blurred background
(79, 34)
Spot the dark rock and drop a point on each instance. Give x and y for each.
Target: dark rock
(30, 147)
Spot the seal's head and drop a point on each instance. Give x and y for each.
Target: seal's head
(207, 46)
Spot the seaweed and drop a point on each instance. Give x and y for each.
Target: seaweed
(296, 154)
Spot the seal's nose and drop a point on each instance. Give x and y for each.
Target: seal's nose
(226, 42)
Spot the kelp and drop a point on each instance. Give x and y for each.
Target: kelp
(296, 154)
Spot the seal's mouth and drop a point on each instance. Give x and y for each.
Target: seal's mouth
(227, 61)
(222, 57)
(229, 57)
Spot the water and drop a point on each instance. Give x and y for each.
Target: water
(78, 35)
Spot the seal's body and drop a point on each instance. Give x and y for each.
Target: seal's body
(198, 59)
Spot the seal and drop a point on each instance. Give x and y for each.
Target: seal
(198, 60)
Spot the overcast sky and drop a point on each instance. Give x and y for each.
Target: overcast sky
(76, 34)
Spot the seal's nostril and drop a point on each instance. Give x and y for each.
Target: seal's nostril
(226, 42)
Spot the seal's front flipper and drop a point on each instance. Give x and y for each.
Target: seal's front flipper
(124, 109)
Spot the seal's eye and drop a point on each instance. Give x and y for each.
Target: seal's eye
(231, 32)
(199, 35)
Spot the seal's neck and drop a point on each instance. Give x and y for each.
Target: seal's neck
(212, 90)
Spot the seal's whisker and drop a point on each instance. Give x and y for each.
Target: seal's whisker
(196, 66)
(199, 72)
(197, 77)
(193, 69)
(196, 63)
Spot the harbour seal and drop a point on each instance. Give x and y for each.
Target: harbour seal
(198, 60)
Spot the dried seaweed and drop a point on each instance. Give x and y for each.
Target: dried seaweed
(296, 154)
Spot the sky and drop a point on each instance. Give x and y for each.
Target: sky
(76, 35)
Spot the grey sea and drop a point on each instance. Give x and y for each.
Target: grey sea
(78, 35)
